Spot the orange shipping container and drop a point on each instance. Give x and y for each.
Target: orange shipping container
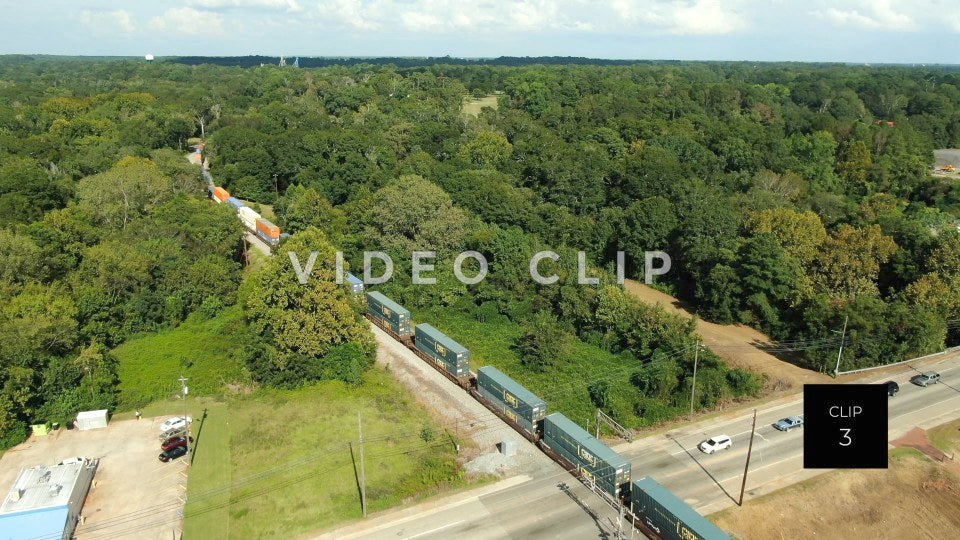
(268, 228)
(220, 194)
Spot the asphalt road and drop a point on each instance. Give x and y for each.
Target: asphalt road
(712, 482)
(539, 508)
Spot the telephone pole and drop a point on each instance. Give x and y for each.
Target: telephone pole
(363, 478)
(843, 337)
(693, 387)
(743, 486)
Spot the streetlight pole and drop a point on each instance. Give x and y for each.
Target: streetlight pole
(843, 337)
(183, 395)
(693, 387)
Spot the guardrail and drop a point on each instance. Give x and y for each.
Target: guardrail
(943, 352)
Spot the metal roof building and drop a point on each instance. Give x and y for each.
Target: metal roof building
(46, 501)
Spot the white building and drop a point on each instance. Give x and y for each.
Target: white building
(45, 502)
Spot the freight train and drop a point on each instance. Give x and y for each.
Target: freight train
(655, 510)
(252, 221)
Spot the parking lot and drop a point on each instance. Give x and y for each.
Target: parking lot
(133, 494)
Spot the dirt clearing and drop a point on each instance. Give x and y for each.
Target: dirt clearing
(736, 344)
(914, 498)
(133, 494)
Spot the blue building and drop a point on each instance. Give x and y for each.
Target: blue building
(45, 502)
(356, 284)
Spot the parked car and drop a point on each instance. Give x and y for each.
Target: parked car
(70, 460)
(892, 388)
(174, 442)
(177, 422)
(926, 378)
(172, 453)
(711, 445)
(788, 423)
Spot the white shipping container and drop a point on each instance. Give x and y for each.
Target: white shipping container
(248, 217)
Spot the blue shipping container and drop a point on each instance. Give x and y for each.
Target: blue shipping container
(668, 515)
(356, 284)
(235, 202)
(518, 403)
(592, 458)
(452, 356)
(393, 314)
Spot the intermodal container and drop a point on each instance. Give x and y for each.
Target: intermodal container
(518, 403)
(267, 239)
(249, 217)
(235, 202)
(390, 312)
(592, 458)
(220, 194)
(452, 356)
(668, 516)
(356, 284)
(268, 229)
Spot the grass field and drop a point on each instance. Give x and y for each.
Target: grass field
(200, 350)
(946, 437)
(472, 106)
(564, 388)
(277, 463)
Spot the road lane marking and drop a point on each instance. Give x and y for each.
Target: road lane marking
(424, 533)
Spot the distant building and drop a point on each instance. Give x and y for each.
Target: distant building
(356, 284)
(45, 502)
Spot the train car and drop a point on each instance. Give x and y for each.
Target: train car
(219, 194)
(267, 231)
(249, 217)
(235, 202)
(593, 459)
(452, 356)
(668, 516)
(516, 402)
(390, 313)
(356, 284)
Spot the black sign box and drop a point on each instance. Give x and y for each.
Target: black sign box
(845, 426)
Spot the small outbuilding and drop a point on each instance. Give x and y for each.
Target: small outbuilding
(91, 420)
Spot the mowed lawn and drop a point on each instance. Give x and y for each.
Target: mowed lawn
(563, 387)
(278, 463)
(203, 351)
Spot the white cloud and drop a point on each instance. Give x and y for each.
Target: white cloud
(188, 21)
(115, 21)
(696, 17)
(281, 5)
(351, 13)
(873, 15)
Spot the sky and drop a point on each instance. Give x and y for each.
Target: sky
(871, 31)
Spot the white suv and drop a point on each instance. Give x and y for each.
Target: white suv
(175, 423)
(711, 445)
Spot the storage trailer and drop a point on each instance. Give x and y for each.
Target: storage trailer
(452, 356)
(389, 313)
(509, 397)
(592, 459)
(668, 516)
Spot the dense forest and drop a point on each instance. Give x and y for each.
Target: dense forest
(790, 198)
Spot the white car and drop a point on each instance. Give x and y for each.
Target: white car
(70, 460)
(711, 445)
(177, 422)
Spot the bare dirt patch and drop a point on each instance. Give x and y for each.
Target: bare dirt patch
(914, 498)
(738, 345)
(128, 479)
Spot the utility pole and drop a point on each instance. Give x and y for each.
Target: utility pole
(843, 337)
(183, 395)
(363, 477)
(743, 486)
(693, 387)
